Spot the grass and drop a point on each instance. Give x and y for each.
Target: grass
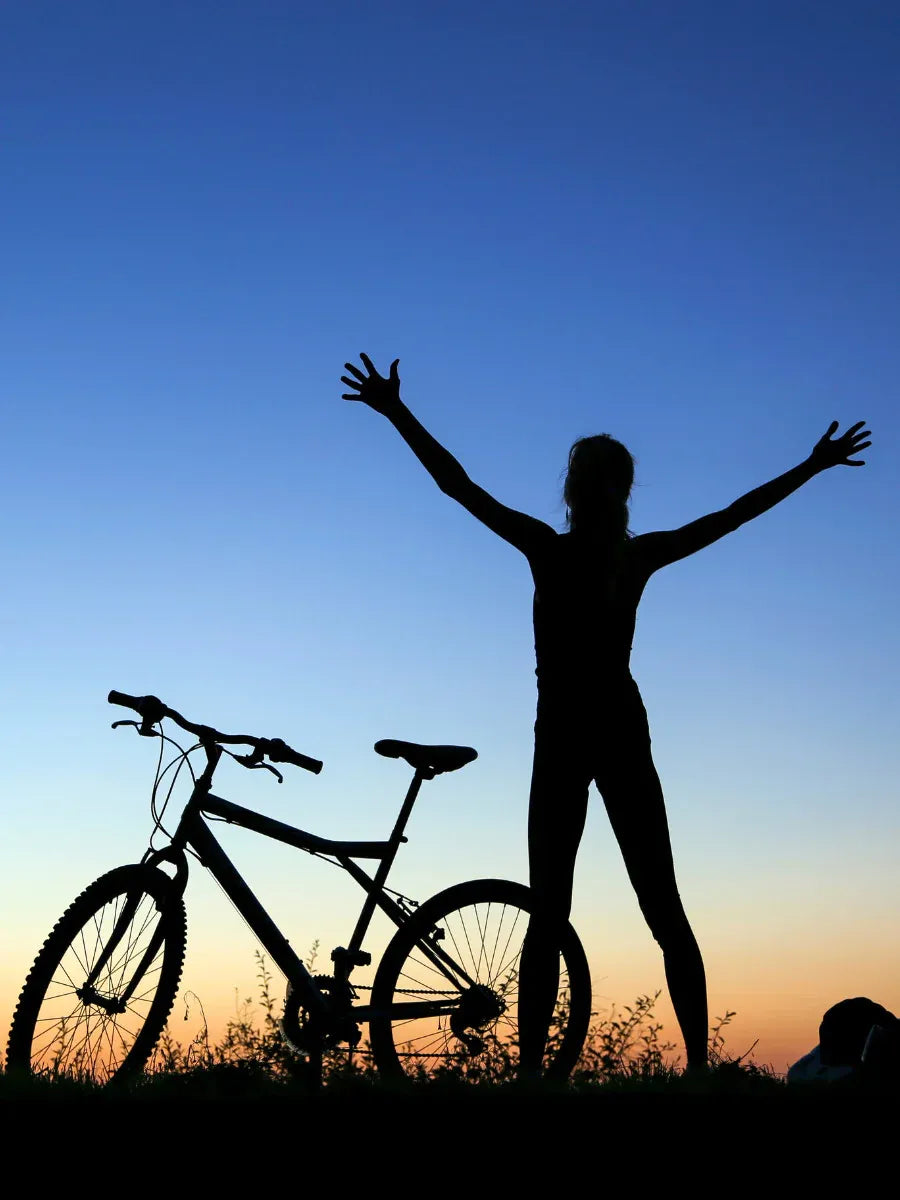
(212, 1112)
(625, 1065)
(624, 1054)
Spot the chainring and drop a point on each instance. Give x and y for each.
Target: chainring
(306, 1032)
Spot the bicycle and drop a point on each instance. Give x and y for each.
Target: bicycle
(443, 997)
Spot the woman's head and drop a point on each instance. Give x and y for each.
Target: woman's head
(598, 485)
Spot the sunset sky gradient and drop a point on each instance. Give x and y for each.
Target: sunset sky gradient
(677, 223)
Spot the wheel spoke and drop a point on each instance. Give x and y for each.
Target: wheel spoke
(484, 926)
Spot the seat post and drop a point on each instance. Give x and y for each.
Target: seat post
(409, 801)
(387, 862)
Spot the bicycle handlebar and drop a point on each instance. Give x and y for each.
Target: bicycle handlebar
(151, 710)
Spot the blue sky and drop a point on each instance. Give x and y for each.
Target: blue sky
(674, 223)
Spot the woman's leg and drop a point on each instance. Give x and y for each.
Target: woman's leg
(556, 815)
(634, 800)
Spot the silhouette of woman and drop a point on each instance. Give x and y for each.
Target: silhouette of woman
(591, 723)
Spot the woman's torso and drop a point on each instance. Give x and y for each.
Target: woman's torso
(585, 608)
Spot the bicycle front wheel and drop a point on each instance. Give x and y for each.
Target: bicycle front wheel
(445, 996)
(102, 987)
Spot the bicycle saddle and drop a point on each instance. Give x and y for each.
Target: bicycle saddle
(427, 758)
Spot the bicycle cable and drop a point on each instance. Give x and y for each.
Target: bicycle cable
(178, 762)
(333, 862)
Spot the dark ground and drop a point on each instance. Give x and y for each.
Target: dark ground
(759, 1135)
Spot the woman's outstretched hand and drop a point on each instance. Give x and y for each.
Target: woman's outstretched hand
(837, 452)
(373, 389)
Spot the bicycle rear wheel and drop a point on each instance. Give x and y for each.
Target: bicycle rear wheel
(445, 996)
(102, 987)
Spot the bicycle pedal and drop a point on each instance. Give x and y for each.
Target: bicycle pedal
(356, 958)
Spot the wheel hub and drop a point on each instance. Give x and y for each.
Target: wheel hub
(89, 995)
(479, 1007)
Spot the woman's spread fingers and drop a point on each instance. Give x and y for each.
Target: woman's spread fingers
(351, 382)
(367, 362)
(355, 371)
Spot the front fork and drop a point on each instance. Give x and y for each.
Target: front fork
(89, 994)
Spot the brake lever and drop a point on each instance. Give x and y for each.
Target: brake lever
(136, 725)
(253, 764)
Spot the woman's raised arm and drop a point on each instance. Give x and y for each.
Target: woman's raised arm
(668, 546)
(383, 395)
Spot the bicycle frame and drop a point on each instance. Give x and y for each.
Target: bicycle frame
(445, 992)
(194, 832)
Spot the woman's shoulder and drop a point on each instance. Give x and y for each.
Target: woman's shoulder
(638, 545)
(645, 552)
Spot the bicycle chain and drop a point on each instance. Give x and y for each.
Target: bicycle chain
(367, 987)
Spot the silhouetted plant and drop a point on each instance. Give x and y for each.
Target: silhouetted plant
(625, 1044)
(622, 1046)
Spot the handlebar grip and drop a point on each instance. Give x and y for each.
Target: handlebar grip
(279, 751)
(149, 708)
